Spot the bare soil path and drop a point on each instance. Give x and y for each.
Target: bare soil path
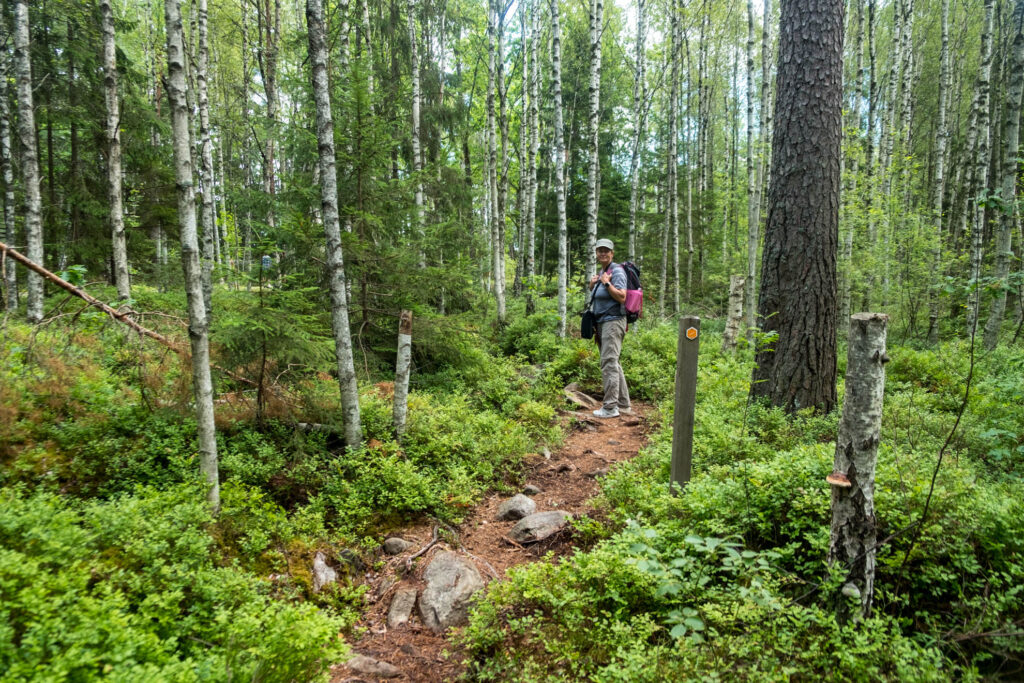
(567, 480)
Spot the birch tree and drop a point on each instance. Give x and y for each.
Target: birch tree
(202, 384)
(29, 158)
(594, 121)
(207, 211)
(417, 152)
(332, 224)
(114, 153)
(9, 275)
(1010, 164)
(563, 236)
(534, 118)
(753, 200)
(639, 121)
(496, 212)
(672, 160)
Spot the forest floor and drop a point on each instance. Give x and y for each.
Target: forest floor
(567, 480)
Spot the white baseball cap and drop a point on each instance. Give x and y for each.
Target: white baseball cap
(606, 243)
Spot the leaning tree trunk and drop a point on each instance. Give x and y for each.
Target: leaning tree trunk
(120, 248)
(852, 543)
(332, 224)
(1011, 142)
(29, 158)
(10, 276)
(639, 121)
(207, 211)
(202, 384)
(798, 288)
(594, 124)
(563, 237)
(981, 167)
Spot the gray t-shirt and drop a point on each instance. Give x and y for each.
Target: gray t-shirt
(605, 307)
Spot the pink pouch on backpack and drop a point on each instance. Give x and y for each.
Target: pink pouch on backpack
(634, 300)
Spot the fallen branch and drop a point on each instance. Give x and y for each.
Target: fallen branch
(120, 316)
(433, 542)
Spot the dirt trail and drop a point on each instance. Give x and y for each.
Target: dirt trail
(567, 480)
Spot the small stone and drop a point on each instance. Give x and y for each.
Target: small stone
(613, 442)
(539, 526)
(565, 467)
(516, 507)
(369, 666)
(531, 490)
(401, 607)
(396, 546)
(597, 473)
(631, 423)
(323, 573)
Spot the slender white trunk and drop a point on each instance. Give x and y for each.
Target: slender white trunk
(594, 124)
(1011, 154)
(202, 384)
(672, 162)
(29, 158)
(563, 238)
(503, 160)
(981, 166)
(9, 275)
(734, 316)
(939, 188)
(496, 208)
(207, 209)
(531, 225)
(853, 159)
(750, 295)
(639, 121)
(114, 153)
(403, 363)
(417, 153)
(753, 201)
(332, 225)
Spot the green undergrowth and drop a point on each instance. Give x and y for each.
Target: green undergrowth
(728, 580)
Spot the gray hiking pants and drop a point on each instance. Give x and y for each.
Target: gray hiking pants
(616, 393)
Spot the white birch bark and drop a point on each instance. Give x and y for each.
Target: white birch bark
(594, 121)
(347, 384)
(563, 237)
(1011, 154)
(29, 158)
(672, 162)
(939, 187)
(734, 314)
(417, 153)
(853, 535)
(496, 215)
(269, 15)
(10, 275)
(531, 224)
(639, 121)
(981, 166)
(764, 126)
(120, 249)
(400, 407)
(852, 166)
(206, 210)
(503, 161)
(202, 384)
(753, 201)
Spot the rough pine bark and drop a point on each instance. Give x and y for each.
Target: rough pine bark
(798, 289)
(403, 363)
(1011, 154)
(563, 238)
(10, 276)
(198, 326)
(332, 225)
(29, 158)
(594, 124)
(853, 537)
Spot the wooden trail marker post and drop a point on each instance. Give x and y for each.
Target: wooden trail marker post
(686, 399)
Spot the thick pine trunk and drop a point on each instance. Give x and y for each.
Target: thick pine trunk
(1011, 146)
(981, 167)
(198, 329)
(563, 238)
(29, 158)
(798, 290)
(853, 537)
(594, 124)
(332, 225)
(10, 276)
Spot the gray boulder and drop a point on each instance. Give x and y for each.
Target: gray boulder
(538, 526)
(451, 583)
(323, 573)
(401, 607)
(368, 666)
(531, 490)
(396, 546)
(516, 507)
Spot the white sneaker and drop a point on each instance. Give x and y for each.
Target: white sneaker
(601, 412)
(625, 411)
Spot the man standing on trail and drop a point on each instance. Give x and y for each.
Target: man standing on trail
(608, 290)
